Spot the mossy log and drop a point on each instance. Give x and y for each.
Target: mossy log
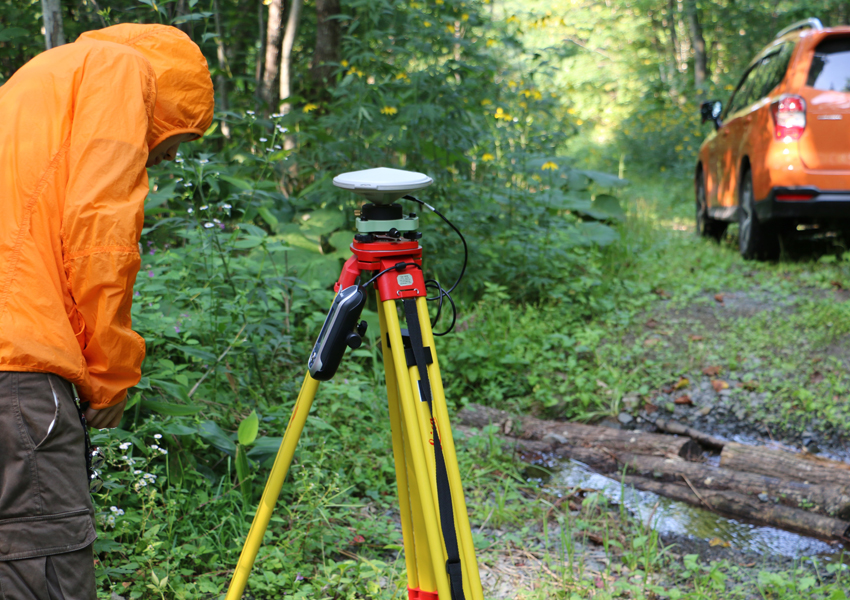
(823, 499)
(560, 433)
(787, 465)
(737, 505)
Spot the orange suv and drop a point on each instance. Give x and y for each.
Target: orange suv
(779, 158)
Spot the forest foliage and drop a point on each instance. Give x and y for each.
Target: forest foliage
(526, 114)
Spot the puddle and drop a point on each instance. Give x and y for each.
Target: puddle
(678, 518)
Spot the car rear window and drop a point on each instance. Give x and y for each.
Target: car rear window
(830, 70)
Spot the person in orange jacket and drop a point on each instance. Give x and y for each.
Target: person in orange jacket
(80, 125)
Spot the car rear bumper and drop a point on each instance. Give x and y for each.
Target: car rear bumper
(804, 202)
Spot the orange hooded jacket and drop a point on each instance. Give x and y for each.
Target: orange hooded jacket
(77, 124)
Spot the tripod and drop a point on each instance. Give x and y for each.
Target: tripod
(438, 547)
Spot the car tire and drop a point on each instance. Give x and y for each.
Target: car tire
(756, 239)
(706, 226)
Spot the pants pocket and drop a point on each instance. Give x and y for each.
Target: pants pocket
(38, 403)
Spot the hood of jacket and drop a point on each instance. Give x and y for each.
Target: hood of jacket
(185, 99)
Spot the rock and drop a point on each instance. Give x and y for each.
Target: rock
(810, 442)
(631, 401)
(554, 438)
(625, 418)
(705, 410)
(764, 497)
(609, 422)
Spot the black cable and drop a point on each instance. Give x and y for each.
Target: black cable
(454, 311)
(457, 231)
(434, 283)
(396, 267)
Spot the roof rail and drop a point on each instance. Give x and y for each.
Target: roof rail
(810, 23)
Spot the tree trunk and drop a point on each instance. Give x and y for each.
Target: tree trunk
(54, 33)
(825, 499)
(261, 51)
(328, 38)
(698, 44)
(274, 31)
(286, 54)
(285, 75)
(738, 505)
(673, 49)
(574, 434)
(799, 467)
(223, 70)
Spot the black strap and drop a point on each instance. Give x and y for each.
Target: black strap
(444, 492)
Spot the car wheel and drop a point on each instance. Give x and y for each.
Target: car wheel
(706, 226)
(756, 239)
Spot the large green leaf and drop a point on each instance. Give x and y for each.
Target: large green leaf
(218, 438)
(604, 179)
(322, 222)
(172, 410)
(264, 448)
(609, 205)
(11, 33)
(173, 389)
(248, 429)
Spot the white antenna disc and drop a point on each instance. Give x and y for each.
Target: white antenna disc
(382, 185)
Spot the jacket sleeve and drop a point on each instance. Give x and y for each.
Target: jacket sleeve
(104, 214)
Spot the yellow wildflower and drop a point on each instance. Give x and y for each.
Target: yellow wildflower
(450, 28)
(389, 110)
(523, 104)
(487, 157)
(501, 114)
(464, 17)
(512, 19)
(549, 166)
(310, 107)
(571, 111)
(426, 23)
(486, 101)
(344, 63)
(440, 2)
(579, 121)
(490, 43)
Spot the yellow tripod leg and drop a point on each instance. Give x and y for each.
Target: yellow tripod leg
(471, 577)
(273, 487)
(407, 494)
(411, 421)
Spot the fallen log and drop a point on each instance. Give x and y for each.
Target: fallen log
(560, 433)
(742, 506)
(788, 465)
(709, 441)
(825, 499)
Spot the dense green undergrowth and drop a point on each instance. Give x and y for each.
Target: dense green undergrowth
(227, 350)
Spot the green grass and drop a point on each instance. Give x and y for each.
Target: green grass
(335, 532)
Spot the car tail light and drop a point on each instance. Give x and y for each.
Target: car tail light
(789, 117)
(791, 196)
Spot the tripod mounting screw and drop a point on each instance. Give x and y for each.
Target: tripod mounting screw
(394, 233)
(353, 341)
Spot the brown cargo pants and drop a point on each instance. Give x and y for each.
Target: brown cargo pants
(46, 513)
